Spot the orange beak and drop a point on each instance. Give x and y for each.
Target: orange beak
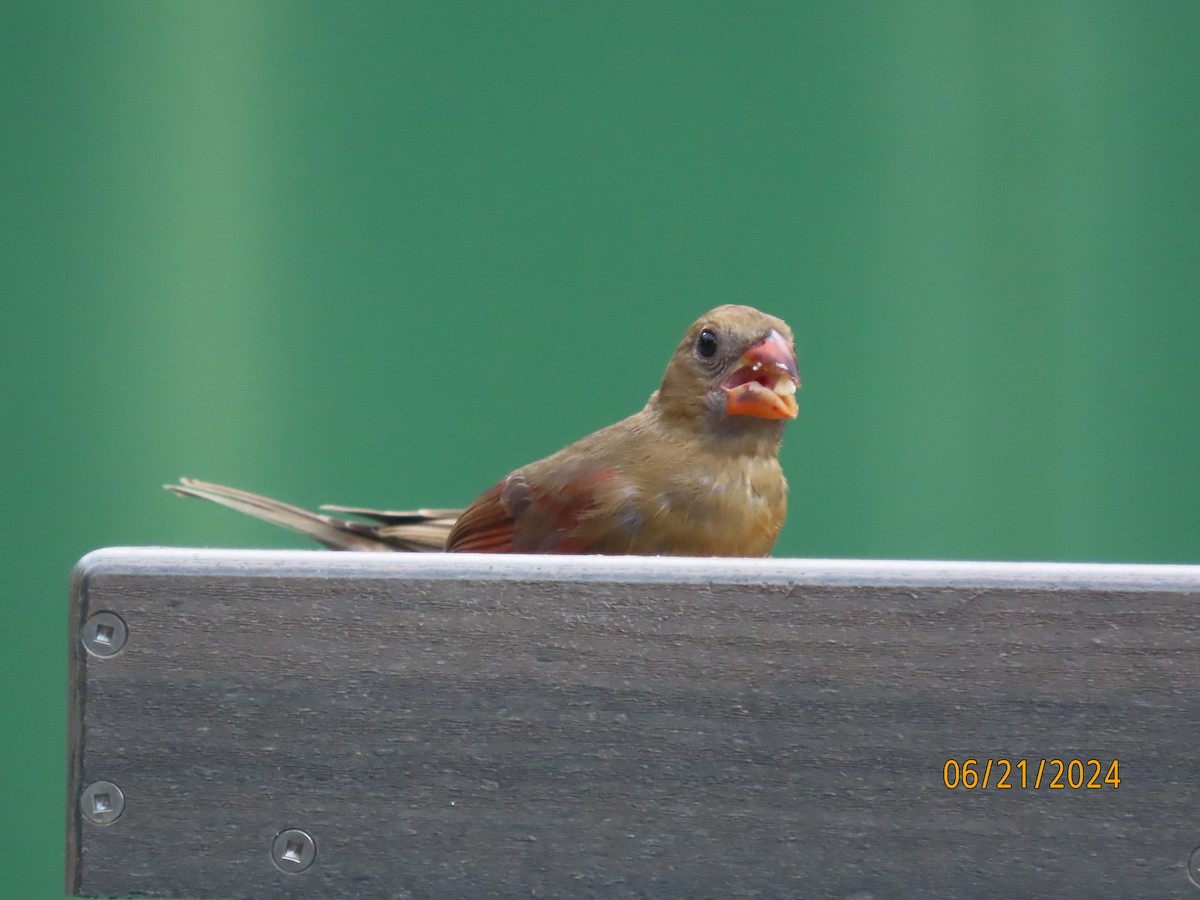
(765, 381)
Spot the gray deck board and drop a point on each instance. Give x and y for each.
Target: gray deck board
(469, 726)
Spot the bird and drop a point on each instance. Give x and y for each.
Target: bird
(695, 472)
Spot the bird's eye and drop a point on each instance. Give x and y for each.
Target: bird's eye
(706, 344)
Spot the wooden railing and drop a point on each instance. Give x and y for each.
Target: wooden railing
(313, 724)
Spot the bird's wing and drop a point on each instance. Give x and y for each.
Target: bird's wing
(590, 511)
(486, 526)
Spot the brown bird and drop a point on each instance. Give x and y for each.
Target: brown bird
(694, 473)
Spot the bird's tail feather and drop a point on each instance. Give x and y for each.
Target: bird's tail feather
(412, 530)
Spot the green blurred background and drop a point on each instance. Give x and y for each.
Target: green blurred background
(381, 253)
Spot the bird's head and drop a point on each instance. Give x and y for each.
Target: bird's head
(735, 369)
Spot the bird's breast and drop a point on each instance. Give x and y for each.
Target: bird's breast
(723, 507)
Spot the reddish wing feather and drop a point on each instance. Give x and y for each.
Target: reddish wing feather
(516, 516)
(485, 527)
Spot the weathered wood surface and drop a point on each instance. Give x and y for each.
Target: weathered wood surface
(582, 727)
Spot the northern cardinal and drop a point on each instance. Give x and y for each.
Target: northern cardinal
(694, 473)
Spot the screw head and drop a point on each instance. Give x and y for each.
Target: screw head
(104, 634)
(293, 851)
(1193, 868)
(102, 803)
